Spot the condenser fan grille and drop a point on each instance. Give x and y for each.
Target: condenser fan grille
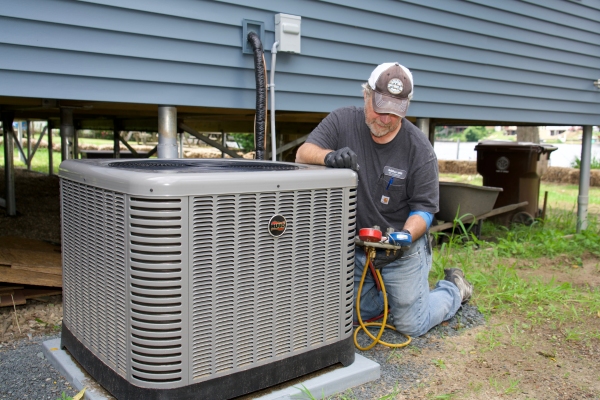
(202, 165)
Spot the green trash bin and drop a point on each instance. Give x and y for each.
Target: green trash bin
(517, 168)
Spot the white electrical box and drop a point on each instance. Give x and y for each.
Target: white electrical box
(287, 32)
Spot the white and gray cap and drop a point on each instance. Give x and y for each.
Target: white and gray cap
(392, 86)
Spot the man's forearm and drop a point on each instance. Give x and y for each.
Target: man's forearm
(416, 225)
(310, 153)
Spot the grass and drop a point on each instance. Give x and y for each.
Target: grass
(498, 286)
(39, 162)
(558, 194)
(493, 266)
(565, 196)
(446, 396)
(40, 159)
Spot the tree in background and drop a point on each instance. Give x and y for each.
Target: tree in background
(245, 141)
(528, 134)
(463, 133)
(475, 133)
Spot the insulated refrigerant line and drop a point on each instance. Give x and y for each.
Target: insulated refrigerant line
(261, 95)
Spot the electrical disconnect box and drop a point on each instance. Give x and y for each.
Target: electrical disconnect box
(287, 32)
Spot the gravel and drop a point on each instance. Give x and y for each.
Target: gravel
(27, 374)
(403, 373)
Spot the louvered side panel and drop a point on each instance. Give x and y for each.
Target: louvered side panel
(116, 280)
(348, 284)
(334, 272)
(69, 200)
(224, 284)
(94, 269)
(158, 254)
(302, 273)
(247, 281)
(202, 239)
(318, 251)
(284, 272)
(94, 243)
(265, 275)
(256, 298)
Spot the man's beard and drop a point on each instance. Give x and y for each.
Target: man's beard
(379, 130)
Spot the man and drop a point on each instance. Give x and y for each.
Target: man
(397, 188)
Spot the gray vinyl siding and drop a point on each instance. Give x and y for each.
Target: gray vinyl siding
(530, 61)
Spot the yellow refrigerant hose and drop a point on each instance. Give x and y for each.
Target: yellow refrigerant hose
(362, 325)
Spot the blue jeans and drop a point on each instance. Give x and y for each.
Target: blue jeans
(415, 309)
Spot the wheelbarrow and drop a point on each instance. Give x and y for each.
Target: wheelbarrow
(467, 203)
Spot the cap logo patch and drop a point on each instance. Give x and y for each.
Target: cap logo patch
(395, 86)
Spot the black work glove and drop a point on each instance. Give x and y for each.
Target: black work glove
(342, 158)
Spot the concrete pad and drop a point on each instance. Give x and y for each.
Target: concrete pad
(73, 372)
(339, 380)
(335, 381)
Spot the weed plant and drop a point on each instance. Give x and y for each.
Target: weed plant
(492, 266)
(594, 163)
(547, 238)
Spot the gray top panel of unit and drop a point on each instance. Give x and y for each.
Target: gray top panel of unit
(213, 177)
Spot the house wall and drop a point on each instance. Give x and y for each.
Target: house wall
(529, 61)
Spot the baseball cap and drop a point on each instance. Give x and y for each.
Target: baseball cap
(392, 86)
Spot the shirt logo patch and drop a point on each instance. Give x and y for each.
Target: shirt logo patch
(385, 199)
(394, 173)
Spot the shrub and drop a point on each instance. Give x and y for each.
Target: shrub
(245, 141)
(594, 164)
(475, 133)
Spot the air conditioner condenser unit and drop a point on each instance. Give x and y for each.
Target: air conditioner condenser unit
(203, 278)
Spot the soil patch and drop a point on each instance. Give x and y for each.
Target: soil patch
(584, 275)
(38, 207)
(509, 360)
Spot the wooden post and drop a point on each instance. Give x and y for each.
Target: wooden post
(116, 136)
(29, 133)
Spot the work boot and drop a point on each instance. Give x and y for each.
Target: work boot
(457, 276)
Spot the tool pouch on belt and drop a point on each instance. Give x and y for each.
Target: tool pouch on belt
(381, 259)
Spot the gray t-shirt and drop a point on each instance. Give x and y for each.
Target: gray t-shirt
(394, 178)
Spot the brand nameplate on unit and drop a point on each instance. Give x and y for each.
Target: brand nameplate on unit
(277, 225)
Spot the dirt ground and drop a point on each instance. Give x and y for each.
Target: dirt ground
(511, 359)
(506, 358)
